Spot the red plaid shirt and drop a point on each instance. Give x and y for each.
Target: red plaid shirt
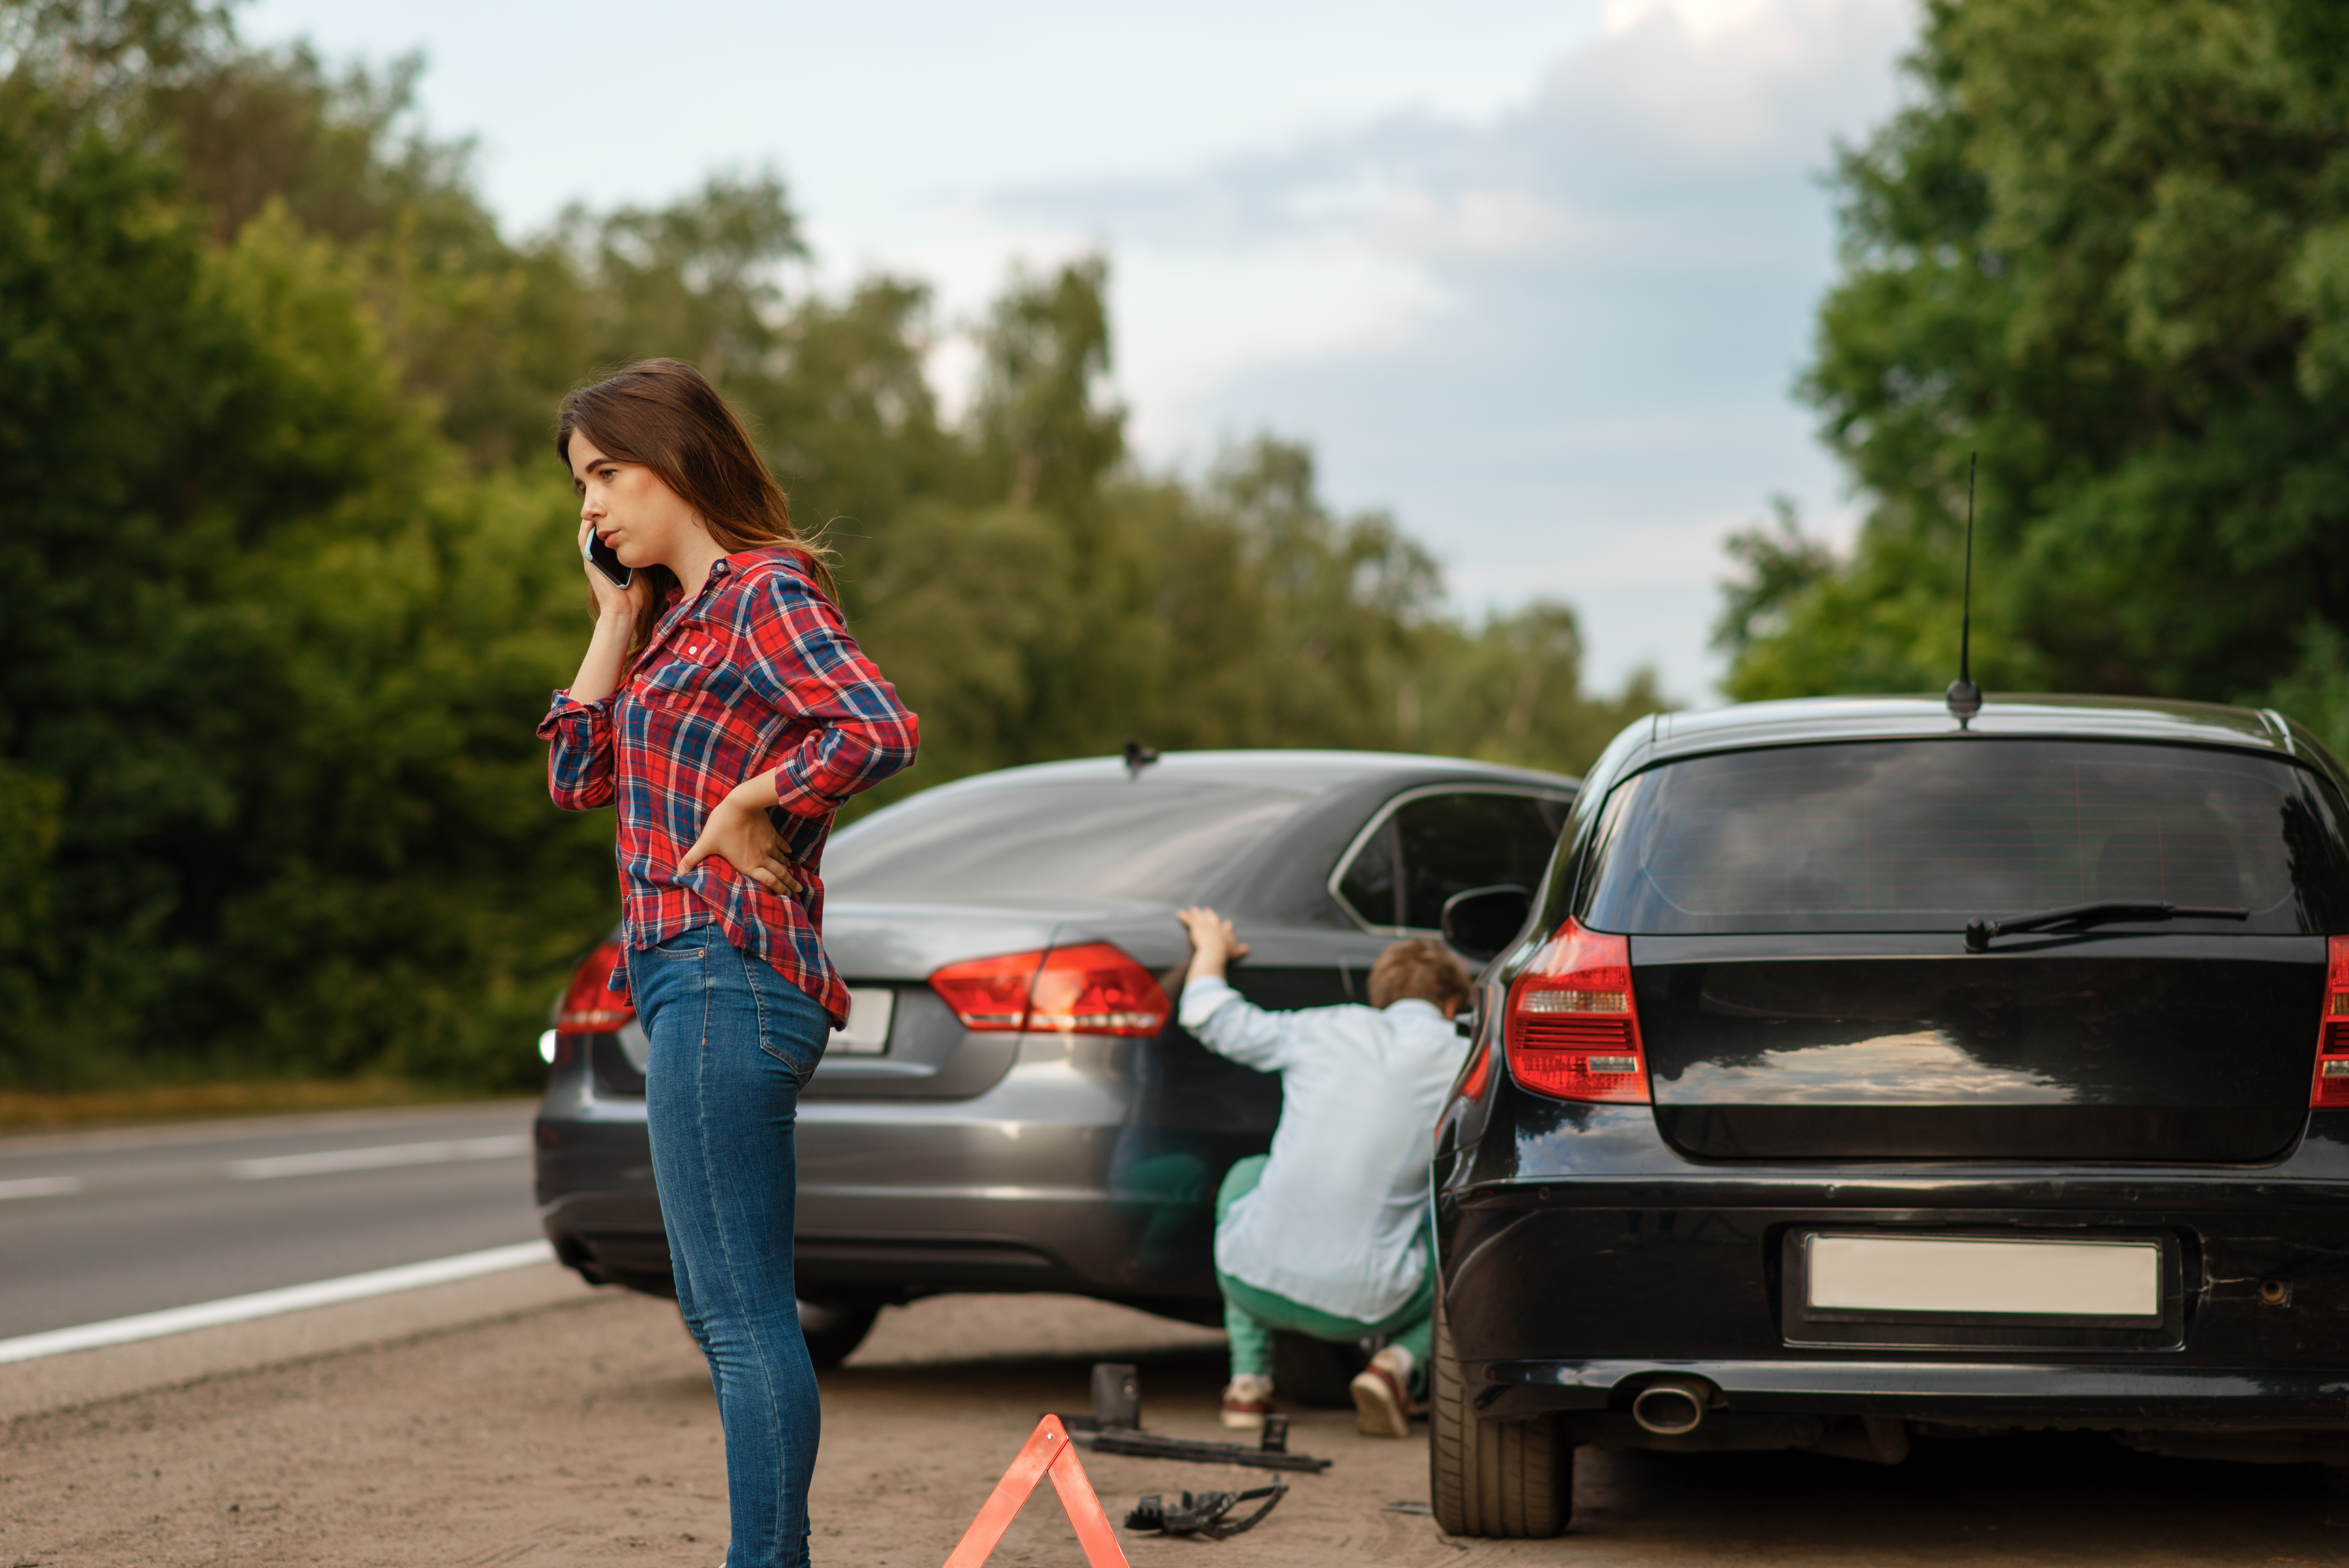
(756, 672)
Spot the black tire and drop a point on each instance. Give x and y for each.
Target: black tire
(1315, 1373)
(662, 1284)
(1512, 1478)
(834, 1328)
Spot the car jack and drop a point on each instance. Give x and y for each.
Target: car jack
(1115, 1427)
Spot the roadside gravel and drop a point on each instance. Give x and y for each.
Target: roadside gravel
(580, 1431)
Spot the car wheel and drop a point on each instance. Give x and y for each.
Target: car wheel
(1315, 1373)
(1491, 1478)
(834, 1328)
(662, 1284)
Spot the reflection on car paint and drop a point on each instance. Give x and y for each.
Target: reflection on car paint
(1918, 1068)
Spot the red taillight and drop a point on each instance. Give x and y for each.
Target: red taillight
(2331, 1087)
(989, 993)
(1480, 1072)
(1091, 989)
(1096, 989)
(1571, 1029)
(591, 1007)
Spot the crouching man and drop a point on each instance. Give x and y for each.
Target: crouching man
(1328, 1235)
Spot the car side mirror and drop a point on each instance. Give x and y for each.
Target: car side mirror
(1482, 921)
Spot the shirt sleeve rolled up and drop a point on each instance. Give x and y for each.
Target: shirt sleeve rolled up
(580, 770)
(805, 663)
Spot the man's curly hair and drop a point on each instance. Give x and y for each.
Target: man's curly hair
(1418, 966)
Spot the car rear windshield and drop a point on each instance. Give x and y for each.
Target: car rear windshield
(1926, 835)
(1153, 839)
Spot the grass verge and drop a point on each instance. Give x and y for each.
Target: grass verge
(25, 1110)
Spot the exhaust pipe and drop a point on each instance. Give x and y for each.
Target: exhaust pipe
(1671, 1407)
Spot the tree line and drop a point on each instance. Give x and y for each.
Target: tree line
(2108, 246)
(293, 575)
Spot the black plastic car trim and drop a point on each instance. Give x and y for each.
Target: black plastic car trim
(1981, 1390)
(1748, 1134)
(1879, 1186)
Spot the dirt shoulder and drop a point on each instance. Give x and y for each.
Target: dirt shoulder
(582, 1430)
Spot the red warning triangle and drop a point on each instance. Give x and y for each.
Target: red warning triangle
(1048, 1451)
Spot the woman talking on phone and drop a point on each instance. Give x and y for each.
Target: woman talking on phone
(724, 709)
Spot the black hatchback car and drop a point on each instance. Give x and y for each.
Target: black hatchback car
(1011, 1106)
(1865, 1074)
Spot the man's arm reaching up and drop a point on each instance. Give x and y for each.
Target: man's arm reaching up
(1223, 1021)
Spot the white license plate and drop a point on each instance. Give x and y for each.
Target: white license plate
(866, 1033)
(2043, 1279)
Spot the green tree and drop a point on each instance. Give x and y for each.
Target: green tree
(2102, 246)
(295, 572)
(1511, 690)
(242, 542)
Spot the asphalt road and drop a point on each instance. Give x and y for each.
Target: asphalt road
(96, 1225)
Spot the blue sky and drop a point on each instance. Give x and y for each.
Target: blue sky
(1537, 278)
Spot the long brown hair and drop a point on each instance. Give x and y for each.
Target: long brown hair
(665, 414)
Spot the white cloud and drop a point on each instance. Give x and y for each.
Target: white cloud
(1699, 17)
(1559, 340)
(1536, 276)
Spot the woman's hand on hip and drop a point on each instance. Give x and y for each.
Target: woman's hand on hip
(741, 833)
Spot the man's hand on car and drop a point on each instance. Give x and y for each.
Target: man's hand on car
(1213, 943)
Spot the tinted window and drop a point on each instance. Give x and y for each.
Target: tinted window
(1438, 845)
(1925, 835)
(1155, 838)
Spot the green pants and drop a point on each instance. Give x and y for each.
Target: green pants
(1251, 1315)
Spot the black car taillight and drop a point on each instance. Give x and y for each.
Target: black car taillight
(2331, 1087)
(1571, 1029)
(1093, 988)
(591, 1007)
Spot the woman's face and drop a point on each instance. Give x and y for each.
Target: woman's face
(644, 521)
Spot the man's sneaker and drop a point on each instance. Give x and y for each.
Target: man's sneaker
(1383, 1396)
(1247, 1402)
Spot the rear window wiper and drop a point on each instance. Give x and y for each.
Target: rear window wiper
(1979, 933)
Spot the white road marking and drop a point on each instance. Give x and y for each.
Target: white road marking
(269, 1303)
(510, 1146)
(40, 1187)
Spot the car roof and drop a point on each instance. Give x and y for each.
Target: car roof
(1800, 720)
(1308, 771)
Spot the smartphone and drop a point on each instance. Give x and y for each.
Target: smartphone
(604, 559)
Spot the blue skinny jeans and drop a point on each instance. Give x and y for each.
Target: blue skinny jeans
(733, 1042)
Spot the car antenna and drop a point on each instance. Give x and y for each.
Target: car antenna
(1138, 757)
(1963, 696)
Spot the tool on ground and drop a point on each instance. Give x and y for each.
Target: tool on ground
(1048, 1451)
(1151, 1445)
(1115, 1427)
(1117, 1395)
(1204, 1513)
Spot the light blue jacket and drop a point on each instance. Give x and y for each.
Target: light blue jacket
(1335, 1223)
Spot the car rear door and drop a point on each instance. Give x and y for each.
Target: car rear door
(1420, 846)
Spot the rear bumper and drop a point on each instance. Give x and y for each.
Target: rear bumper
(1568, 1290)
(1046, 1181)
(1993, 1394)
